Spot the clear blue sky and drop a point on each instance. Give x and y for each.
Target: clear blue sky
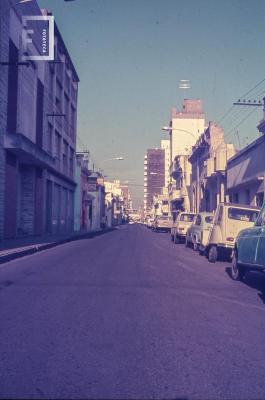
(130, 56)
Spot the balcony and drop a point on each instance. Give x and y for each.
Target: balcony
(174, 194)
(27, 151)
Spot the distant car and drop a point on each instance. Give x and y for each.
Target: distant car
(229, 220)
(198, 233)
(162, 223)
(249, 249)
(181, 225)
(149, 223)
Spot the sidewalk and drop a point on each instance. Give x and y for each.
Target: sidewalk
(15, 248)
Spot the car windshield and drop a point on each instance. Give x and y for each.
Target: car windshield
(209, 219)
(242, 215)
(186, 217)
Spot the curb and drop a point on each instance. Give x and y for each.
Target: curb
(12, 255)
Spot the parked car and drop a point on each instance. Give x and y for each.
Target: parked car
(162, 223)
(249, 249)
(149, 223)
(180, 226)
(229, 220)
(198, 233)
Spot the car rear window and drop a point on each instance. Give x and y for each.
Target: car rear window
(242, 215)
(209, 219)
(186, 217)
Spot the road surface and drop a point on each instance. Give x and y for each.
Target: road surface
(129, 315)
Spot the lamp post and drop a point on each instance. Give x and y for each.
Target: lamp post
(112, 159)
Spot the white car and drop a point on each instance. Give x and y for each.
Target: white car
(181, 225)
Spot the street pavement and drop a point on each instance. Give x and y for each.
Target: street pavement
(129, 315)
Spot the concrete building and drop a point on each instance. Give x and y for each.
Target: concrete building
(246, 172)
(114, 202)
(127, 201)
(154, 175)
(37, 132)
(165, 145)
(208, 176)
(96, 197)
(160, 205)
(185, 128)
(180, 190)
(83, 199)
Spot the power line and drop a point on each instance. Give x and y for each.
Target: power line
(241, 122)
(244, 95)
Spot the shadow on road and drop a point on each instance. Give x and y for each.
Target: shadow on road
(255, 280)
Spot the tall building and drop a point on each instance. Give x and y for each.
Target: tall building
(165, 145)
(185, 127)
(154, 175)
(38, 107)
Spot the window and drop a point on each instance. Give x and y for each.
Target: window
(72, 122)
(240, 214)
(186, 217)
(220, 215)
(209, 219)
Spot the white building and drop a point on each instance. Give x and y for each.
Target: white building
(186, 126)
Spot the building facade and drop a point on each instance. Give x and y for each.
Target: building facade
(154, 175)
(38, 130)
(185, 128)
(246, 171)
(165, 145)
(208, 176)
(83, 199)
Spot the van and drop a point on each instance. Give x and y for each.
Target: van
(229, 220)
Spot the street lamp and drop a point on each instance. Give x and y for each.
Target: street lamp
(169, 128)
(113, 159)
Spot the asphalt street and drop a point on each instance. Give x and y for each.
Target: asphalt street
(129, 315)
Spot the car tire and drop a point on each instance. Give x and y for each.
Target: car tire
(186, 243)
(172, 238)
(212, 254)
(237, 271)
